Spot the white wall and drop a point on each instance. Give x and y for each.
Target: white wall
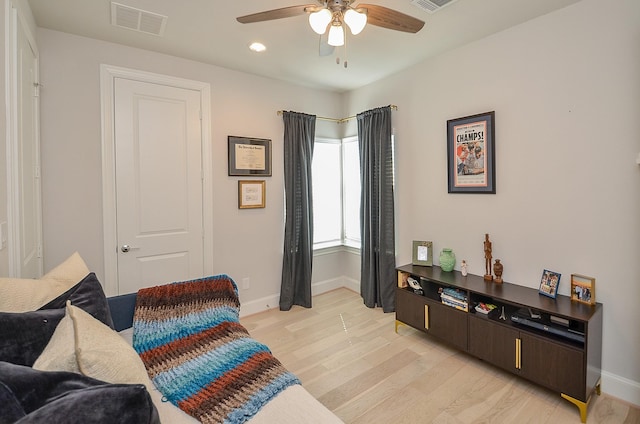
(566, 93)
(248, 243)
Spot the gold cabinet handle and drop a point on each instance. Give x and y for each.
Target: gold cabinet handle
(518, 353)
(426, 317)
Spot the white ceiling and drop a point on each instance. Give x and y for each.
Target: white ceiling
(207, 31)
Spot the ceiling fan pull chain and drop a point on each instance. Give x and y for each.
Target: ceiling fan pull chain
(345, 50)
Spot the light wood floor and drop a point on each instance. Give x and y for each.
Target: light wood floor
(350, 358)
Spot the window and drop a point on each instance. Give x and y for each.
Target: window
(336, 193)
(327, 198)
(351, 189)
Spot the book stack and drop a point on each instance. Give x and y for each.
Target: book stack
(454, 298)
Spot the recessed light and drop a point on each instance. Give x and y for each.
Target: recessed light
(257, 47)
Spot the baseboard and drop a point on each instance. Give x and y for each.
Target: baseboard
(273, 301)
(621, 388)
(327, 285)
(259, 305)
(351, 284)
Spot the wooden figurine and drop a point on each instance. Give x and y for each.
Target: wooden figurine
(487, 258)
(497, 269)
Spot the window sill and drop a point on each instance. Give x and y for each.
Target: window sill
(335, 249)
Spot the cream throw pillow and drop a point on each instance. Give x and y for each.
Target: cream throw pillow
(60, 352)
(69, 272)
(23, 295)
(83, 344)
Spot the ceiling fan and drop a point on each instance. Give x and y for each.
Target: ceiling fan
(332, 15)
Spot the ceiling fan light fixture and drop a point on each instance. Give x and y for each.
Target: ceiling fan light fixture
(319, 20)
(257, 47)
(355, 20)
(336, 36)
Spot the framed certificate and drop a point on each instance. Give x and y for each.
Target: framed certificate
(251, 194)
(249, 156)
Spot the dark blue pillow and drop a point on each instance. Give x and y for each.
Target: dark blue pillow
(11, 410)
(87, 295)
(24, 335)
(70, 398)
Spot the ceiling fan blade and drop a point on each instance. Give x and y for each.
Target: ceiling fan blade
(285, 12)
(391, 19)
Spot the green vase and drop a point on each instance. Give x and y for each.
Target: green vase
(447, 260)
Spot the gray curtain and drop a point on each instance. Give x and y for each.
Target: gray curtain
(377, 281)
(299, 135)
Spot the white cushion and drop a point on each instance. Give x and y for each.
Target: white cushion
(69, 272)
(23, 295)
(168, 412)
(97, 350)
(60, 352)
(127, 335)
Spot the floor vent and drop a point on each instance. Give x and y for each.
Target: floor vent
(431, 6)
(137, 20)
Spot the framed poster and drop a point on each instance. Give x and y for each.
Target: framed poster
(583, 289)
(251, 194)
(471, 154)
(249, 156)
(549, 283)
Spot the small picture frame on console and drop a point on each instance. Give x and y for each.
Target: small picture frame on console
(583, 289)
(422, 253)
(549, 283)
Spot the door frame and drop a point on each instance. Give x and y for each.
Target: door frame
(14, 241)
(108, 74)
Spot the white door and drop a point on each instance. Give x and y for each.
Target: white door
(27, 222)
(158, 182)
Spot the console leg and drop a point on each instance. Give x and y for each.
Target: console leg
(399, 323)
(582, 406)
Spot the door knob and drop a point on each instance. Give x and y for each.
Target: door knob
(125, 248)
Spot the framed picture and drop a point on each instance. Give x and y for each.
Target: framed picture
(251, 194)
(549, 283)
(422, 253)
(471, 154)
(583, 289)
(249, 156)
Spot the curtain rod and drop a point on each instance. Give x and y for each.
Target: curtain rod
(339, 120)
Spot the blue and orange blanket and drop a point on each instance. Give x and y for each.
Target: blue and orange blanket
(199, 356)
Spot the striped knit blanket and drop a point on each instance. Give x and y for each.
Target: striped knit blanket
(199, 356)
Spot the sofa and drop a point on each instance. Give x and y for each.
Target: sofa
(70, 354)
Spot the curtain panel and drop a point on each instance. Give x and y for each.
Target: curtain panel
(377, 280)
(299, 136)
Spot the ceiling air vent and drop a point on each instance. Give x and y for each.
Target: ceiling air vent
(138, 20)
(431, 6)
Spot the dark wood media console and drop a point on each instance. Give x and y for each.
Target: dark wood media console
(567, 361)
